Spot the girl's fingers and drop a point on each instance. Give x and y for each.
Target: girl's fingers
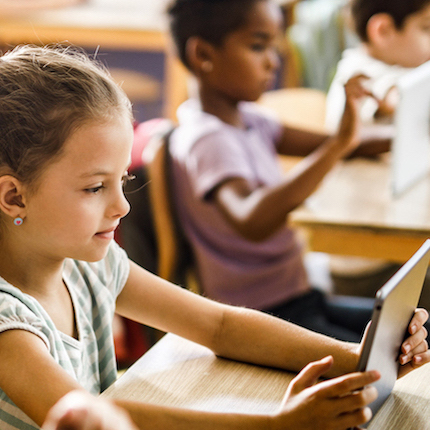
(356, 400)
(415, 340)
(408, 353)
(420, 359)
(418, 320)
(354, 418)
(346, 384)
(416, 343)
(310, 374)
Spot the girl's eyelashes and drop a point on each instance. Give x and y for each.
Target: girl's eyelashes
(124, 180)
(127, 178)
(94, 190)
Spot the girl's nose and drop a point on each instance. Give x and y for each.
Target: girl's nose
(121, 206)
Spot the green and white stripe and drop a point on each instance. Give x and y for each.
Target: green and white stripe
(90, 359)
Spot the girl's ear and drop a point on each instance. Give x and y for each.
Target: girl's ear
(380, 29)
(199, 55)
(11, 197)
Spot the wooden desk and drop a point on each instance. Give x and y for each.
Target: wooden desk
(353, 213)
(176, 372)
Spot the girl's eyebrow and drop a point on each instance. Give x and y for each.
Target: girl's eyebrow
(100, 172)
(94, 173)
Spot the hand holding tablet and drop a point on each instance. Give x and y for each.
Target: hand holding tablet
(394, 308)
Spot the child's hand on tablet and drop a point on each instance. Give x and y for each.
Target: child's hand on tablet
(414, 351)
(337, 403)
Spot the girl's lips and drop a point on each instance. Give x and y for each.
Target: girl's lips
(106, 234)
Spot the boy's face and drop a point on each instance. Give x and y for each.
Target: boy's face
(246, 63)
(410, 45)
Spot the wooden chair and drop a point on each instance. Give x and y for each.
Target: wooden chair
(175, 259)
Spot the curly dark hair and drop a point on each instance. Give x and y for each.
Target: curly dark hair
(212, 20)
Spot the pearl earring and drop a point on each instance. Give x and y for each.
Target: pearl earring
(18, 220)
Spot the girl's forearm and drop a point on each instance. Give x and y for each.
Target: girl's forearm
(258, 338)
(156, 417)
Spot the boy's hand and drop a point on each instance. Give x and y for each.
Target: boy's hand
(414, 350)
(335, 404)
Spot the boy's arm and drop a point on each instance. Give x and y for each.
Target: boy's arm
(257, 213)
(374, 140)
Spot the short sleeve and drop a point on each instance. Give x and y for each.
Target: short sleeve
(118, 267)
(229, 152)
(214, 159)
(18, 313)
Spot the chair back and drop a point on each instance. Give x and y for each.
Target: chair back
(175, 257)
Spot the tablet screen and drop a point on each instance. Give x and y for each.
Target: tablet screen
(411, 145)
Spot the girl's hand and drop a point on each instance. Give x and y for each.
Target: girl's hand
(334, 404)
(79, 410)
(349, 128)
(414, 350)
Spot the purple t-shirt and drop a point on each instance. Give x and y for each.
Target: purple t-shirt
(205, 152)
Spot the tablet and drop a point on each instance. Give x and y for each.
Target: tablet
(410, 149)
(394, 307)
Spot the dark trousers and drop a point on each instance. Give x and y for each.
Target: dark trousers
(341, 317)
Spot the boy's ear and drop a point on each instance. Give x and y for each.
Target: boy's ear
(199, 54)
(380, 28)
(11, 197)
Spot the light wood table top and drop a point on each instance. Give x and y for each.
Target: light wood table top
(179, 373)
(354, 213)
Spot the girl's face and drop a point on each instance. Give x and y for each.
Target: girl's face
(411, 45)
(245, 65)
(79, 199)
